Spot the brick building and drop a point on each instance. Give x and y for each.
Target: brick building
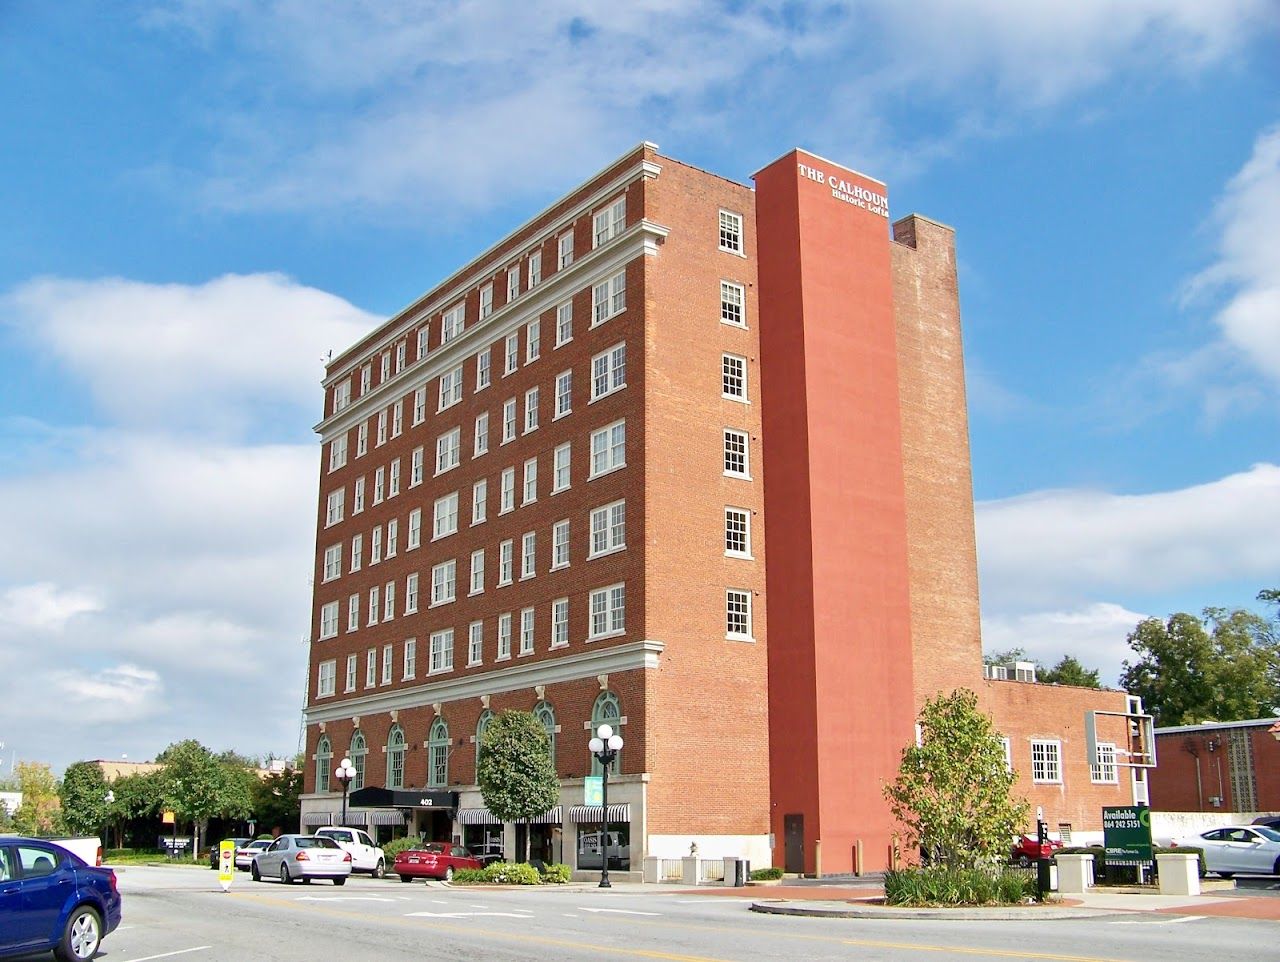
(544, 487)
(1218, 767)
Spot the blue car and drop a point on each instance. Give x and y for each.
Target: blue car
(50, 899)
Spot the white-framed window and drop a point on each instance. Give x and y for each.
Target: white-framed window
(415, 529)
(424, 334)
(564, 323)
(452, 321)
(513, 282)
(389, 601)
(530, 490)
(483, 370)
(731, 232)
(481, 445)
(564, 249)
(733, 379)
(353, 668)
(329, 620)
(450, 388)
(445, 516)
(608, 298)
(371, 668)
(388, 661)
(375, 593)
(608, 611)
(533, 340)
(366, 379)
(419, 404)
(486, 300)
(381, 438)
(609, 371)
(1046, 761)
(332, 562)
(448, 450)
(397, 419)
(737, 532)
(393, 537)
(526, 631)
(504, 636)
(1008, 752)
(608, 528)
(737, 461)
(733, 304)
(401, 352)
(334, 507)
(379, 484)
(326, 678)
(1105, 772)
(609, 222)
(477, 571)
(511, 354)
(341, 395)
(531, 397)
(475, 643)
(393, 482)
(411, 594)
(528, 555)
(560, 461)
(353, 613)
(441, 651)
(504, 562)
(410, 658)
(535, 269)
(507, 490)
(559, 622)
(480, 501)
(508, 420)
(362, 439)
(375, 546)
(737, 614)
(385, 367)
(415, 466)
(357, 551)
(338, 452)
(444, 582)
(357, 500)
(564, 394)
(560, 544)
(609, 448)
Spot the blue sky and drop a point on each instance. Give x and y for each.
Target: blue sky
(202, 198)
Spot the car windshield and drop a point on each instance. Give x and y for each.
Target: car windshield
(318, 842)
(1270, 833)
(437, 847)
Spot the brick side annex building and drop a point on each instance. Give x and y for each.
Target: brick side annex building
(692, 459)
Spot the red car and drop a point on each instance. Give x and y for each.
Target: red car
(434, 860)
(1027, 850)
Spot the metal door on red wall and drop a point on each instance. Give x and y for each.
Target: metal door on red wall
(793, 832)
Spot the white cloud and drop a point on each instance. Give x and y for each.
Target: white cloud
(1093, 633)
(124, 693)
(43, 606)
(157, 354)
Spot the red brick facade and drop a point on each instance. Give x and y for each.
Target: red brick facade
(1218, 767)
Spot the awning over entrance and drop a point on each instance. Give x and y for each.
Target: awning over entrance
(355, 819)
(395, 816)
(317, 819)
(594, 814)
(477, 816)
(373, 797)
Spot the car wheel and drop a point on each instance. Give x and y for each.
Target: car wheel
(340, 881)
(81, 937)
(284, 874)
(448, 874)
(1275, 869)
(405, 878)
(380, 870)
(1226, 874)
(254, 873)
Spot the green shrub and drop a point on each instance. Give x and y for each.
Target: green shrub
(556, 873)
(470, 876)
(512, 873)
(938, 885)
(765, 874)
(396, 846)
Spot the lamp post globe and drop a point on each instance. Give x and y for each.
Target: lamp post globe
(345, 775)
(605, 747)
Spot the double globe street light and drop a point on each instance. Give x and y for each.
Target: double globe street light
(605, 748)
(346, 774)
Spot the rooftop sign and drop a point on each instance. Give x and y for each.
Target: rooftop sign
(842, 190)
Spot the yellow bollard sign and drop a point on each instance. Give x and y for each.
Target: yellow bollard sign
(226, 863)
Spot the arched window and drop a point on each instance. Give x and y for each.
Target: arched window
(438, 754)
(486, 716)
(358, 752)
(547, 715)
(324, 763)
(606, 711)
(395, 758)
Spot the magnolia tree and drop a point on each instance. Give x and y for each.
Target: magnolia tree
(952, 793)
(516, 775)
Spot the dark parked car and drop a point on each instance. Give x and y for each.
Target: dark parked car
(213, 852)
(436, 860)
(50, 899)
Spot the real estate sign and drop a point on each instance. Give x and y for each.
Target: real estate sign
(1126, 834)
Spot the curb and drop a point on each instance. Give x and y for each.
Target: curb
(848, 910)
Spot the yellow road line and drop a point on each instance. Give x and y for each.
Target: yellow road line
(961, 950)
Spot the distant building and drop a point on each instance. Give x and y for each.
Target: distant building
(1218, 766)
(692, 459)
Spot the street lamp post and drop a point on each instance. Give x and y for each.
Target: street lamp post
(605, 747)
(346, 774)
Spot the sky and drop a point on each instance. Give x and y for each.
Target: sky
(203, 198)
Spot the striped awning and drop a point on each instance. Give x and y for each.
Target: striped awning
(316, 819)
(552, 816)
(393, 816)
(477, 816)
(356, 818)
(594, 814)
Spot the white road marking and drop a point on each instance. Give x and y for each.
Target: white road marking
(1173, 921)
(470, 915)
(165, 955)
(343, 898)
(439, 902)
(617, 911)
(473, 906)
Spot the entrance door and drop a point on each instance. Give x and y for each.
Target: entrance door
(793, 831)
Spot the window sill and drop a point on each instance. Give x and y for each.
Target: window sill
(472, 594)
(606, 552)
(735, 397)
(606, 471)
(739, 477)
(609, 393)
(734, 324)
(567, 340)
(746, 639)
(559, 567)
(741, 556)
(726, 250)
(503, 658)
(607, 634)
(561, 414)
(441, 604)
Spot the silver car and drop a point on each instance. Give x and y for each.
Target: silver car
(245, 853)
(293, 857)
(1246, 849)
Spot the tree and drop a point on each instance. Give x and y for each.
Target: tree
(1069, 671)
(276, 800)
(196, 786)
(516, 775)
(40, 812)
(136, 796)
(1225, 667)
(84, 798)
(952, 793)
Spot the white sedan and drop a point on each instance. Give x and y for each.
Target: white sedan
(1246, 849)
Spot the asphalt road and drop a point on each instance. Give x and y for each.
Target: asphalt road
(181, 913)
